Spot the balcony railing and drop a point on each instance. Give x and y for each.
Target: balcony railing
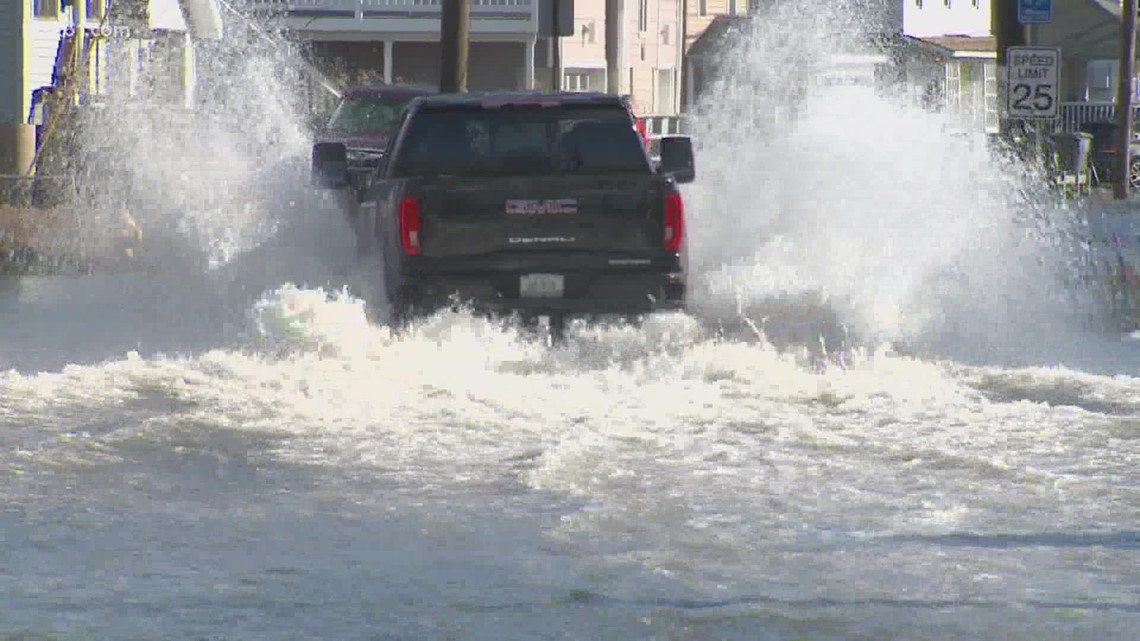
(361, 9)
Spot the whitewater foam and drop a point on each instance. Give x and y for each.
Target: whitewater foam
(869, 216)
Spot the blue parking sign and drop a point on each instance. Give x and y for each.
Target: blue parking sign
(1034, 11)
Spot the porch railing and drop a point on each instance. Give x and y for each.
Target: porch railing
(361, 9)
(657, 125)
(1075, 114)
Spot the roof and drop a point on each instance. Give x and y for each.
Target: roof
(964, 46)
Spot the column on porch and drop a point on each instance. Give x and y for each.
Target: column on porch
(388, 46)
(528, 62)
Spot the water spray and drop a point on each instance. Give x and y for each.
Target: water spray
(865, 203)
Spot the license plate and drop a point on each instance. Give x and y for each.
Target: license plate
(541, 286)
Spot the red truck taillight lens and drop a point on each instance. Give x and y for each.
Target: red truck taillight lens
(410, 225)
(674, 221)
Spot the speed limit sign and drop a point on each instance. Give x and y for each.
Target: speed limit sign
(1031, 89)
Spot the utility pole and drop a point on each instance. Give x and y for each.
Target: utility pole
(1121, 186)
(555, 46)
(453, 29)
(1008, 32)
(615, 32)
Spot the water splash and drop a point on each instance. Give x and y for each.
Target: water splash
(852, 212)
(203, 182)
(847, 217)
(308, 318)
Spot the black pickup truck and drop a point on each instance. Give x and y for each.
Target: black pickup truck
(541, 204)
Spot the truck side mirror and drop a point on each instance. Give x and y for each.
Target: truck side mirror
(677, 158)
(330, 165)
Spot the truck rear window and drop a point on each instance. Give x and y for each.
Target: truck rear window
(529, 141)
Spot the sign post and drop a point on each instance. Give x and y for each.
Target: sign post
(1032, 84)
(1122, 186)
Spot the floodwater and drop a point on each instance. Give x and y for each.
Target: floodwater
(227, 448)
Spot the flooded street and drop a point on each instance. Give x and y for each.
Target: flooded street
(888, 416)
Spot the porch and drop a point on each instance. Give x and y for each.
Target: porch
(398, 41)
(491, 63)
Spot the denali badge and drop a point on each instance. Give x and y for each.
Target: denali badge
(539, 207)
(545, 239)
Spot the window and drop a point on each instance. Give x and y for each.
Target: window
(45, 8)
(990, 91)
(477, 141)
(702, 8)
(643, 15)
(665, 97)
(953, 90)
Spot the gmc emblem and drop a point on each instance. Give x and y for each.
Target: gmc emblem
(541, 207)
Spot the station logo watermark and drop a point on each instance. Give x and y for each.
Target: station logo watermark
(106, 31)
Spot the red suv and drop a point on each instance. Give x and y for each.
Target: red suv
(365, 118)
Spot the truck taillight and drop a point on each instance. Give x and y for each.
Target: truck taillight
(674, 221)
(410, 225)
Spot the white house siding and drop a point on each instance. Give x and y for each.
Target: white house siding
(922, 18)
(651, 37)
(584, 53)
(41, 46)
(11, 61)
(665, 55)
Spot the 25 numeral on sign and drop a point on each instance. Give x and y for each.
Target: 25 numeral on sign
(1034, 97)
